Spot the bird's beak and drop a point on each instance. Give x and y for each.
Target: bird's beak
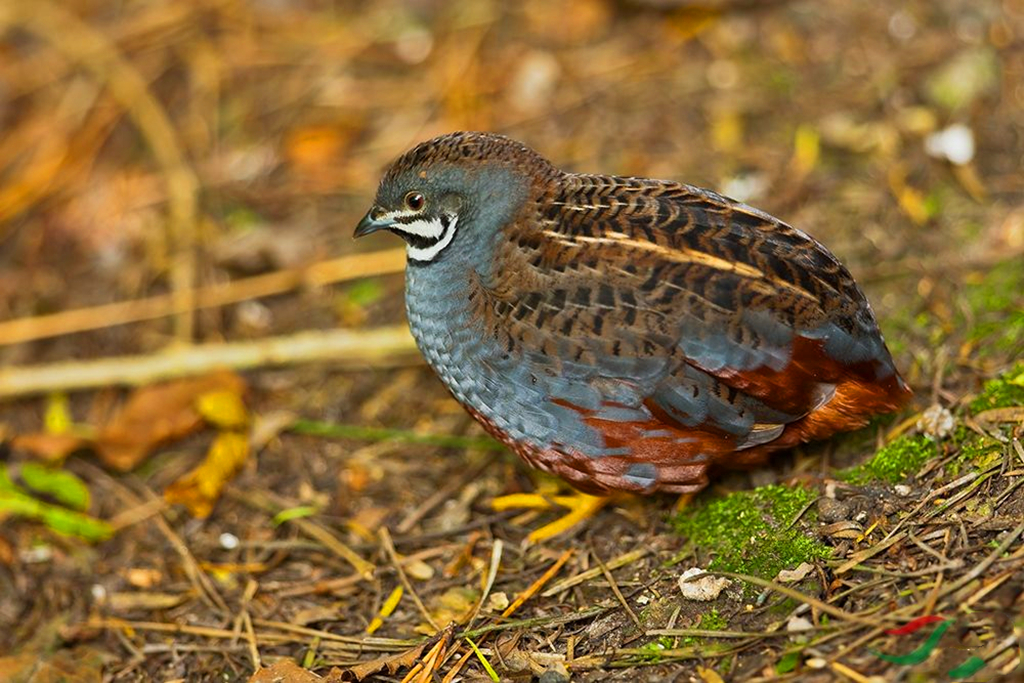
(372, 223)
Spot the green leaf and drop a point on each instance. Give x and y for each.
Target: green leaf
(71, 523)
(59, 484)
(787, 663)
(294, 513)
(483, 661)
(15, 501)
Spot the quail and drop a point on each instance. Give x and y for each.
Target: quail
(626, 334)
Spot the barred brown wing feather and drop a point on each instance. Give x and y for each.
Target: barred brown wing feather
(753, 322)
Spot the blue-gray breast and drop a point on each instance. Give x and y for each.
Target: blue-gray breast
(625, 333)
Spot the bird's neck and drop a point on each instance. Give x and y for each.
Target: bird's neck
(437, 292)
(440, 308)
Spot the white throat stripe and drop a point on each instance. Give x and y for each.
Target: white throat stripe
(430, 252)
(429, 228)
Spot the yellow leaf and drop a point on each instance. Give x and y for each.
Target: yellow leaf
(58, 414)
(709, 675)
(385, 611)
(455, 604)
(806, 148)
(223, 409)
(199, 489)
(911, 201)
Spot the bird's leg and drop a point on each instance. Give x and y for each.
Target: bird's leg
(581, 507)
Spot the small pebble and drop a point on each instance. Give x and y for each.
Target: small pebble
(497, 602)
(228, 541)
(798, 574)
(99, 593)
(902, 490)
(552, 676)
(816, 663)
(797, 624)
(955, 144)
(832, 510)
(703, 589)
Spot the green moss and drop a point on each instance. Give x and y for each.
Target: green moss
(711, 621)
(752, 532)
(725, 666)
(1003, 392)
(654, 648)
(894, 462)
(978, 507)
(974, 450)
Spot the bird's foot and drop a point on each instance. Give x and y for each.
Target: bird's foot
(581, 507)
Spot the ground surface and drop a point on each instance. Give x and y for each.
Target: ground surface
(146, 146)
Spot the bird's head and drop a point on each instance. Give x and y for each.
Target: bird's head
(454, 193)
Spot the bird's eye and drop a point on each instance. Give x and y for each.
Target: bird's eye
(415, 201)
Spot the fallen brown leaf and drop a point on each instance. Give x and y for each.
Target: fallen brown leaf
(285, 671)
(156, 414)
(391, 663)
(43, 660)
(52, 448)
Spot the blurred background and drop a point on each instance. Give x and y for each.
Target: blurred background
(152, 148)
